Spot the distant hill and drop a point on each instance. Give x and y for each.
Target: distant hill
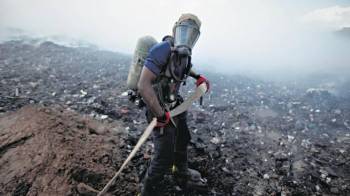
(11, 34)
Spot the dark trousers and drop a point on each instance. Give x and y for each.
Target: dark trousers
(170, 145)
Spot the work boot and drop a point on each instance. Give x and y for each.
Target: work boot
(181, 179)
(195, 180)
(149, 190)
(190, 180)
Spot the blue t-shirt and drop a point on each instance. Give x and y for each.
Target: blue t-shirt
(158, 57)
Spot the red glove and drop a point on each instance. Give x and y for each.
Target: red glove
(202, 79)
(163, 120)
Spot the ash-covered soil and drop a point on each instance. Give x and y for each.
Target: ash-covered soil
(54, 151)
(249, 138)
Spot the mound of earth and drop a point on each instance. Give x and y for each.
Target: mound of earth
(53, 151)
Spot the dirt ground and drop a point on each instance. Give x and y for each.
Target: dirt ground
(53, 151)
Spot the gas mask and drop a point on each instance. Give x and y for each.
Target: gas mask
(186, 34)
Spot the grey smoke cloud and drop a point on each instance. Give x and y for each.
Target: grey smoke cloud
(259, 37)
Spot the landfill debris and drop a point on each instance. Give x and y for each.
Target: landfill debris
(250, 137)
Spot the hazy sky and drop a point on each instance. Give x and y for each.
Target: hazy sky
(248, 35)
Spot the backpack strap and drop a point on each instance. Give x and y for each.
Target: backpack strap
(169, 39)
(167, 71)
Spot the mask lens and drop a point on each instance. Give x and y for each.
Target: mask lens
(186, 34)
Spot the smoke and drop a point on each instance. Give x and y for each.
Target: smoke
(331, 17)
(266, 38)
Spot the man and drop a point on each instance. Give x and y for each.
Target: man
(167, 66)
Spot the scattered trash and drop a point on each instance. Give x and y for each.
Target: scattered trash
(215, 140)
(290, 138)
(124, 94)
(83, 93)
(246, 130)
(102, 117)
(266, 176)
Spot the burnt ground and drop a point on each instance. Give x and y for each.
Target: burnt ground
(250, 137)
(53, 151)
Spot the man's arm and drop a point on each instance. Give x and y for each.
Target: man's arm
(200, 79)
(147, 92)
(194, 75)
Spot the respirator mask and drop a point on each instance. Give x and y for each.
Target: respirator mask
(186, 34)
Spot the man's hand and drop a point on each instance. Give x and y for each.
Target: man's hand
(162, 121)
(201, 79)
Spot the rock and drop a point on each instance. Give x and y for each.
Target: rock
(124, 111)
(317, 188)
(225, 170)
(200, 117)
(86, 190)
(334, 190)
(330, 171)
(280, 156)
(337, 111)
